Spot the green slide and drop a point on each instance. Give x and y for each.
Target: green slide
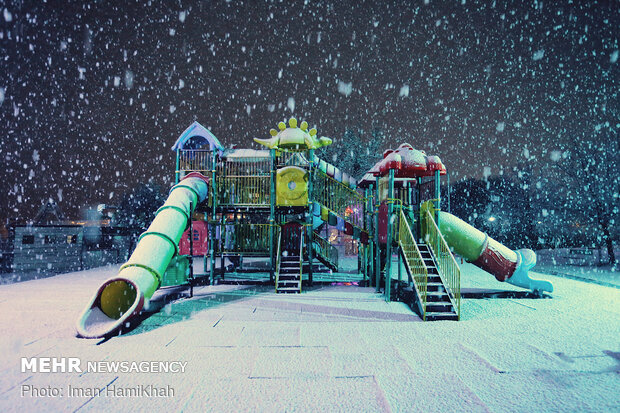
(123, 296)
(485, 252)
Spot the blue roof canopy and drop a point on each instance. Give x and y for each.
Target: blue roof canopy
(196, 136)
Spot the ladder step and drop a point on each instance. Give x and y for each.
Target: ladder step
(437, 297)
(441, 307)
(288, 290)
(431, 316)
(289, 269)
(287, 277)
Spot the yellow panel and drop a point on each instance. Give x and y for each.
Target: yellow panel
(292, 186)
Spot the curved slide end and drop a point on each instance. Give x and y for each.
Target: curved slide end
(521, 276)
(117, 300)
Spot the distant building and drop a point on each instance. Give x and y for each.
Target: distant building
(49, 244)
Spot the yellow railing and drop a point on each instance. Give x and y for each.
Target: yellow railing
(245, 238)
(244, 181)
(326, 250)
(339, 198)
(449, 270)
(413, 260)
(199, 160)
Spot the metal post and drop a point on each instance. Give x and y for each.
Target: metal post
(377, 248)
(310, 213)
(177, 173)
(400, 277)
(448, 177)
(272, 220)
(369, 228)
(419, 207)
(191, 251)
(388, 263)
(222, 245)
(437, 196)
(365, 226)
(212, 222)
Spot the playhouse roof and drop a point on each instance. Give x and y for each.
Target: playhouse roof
(196, 136)
(407, 163)
(246, 153)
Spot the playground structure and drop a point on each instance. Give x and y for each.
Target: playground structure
(277, 205)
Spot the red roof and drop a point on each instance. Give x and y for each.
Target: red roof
(408, 163)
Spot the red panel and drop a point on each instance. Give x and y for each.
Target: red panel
(383, 213)
(348, 228)
(492, 261)
(201, 239)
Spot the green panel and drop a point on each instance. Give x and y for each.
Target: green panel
(466, 240)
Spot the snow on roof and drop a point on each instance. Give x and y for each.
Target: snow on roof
(196, 136)
(247, 153)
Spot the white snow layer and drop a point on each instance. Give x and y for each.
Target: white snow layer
(328, 349)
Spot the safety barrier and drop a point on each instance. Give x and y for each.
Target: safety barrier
(244, 182)
(413, 260)
(326, 250)
(196, 160)
(449, 270)
(278, 254)
(339, 198)
(245, 238)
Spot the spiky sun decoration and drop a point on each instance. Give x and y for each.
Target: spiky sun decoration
(293, 138)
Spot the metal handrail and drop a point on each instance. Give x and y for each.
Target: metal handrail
(413, 261)
(246, 238)
(199, 160)
(337, 196)
(326, 250)
(301, 258)
(278, 259)
(449, 270)
(244, 181)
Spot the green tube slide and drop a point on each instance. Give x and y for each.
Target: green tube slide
(486, 253)
(125, 295)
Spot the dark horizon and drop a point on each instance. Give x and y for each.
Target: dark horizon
(94, 95)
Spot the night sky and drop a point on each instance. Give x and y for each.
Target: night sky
(94, 94)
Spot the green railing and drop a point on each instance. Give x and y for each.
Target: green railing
(244, 182)
(339, 198)
(326, 250)
(449, 270)
(291, 159)
(245, 238)
(413, 260)
(196, 160)
(278, 259)
(301, 260)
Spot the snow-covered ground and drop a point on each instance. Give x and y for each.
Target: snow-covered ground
(330, 349)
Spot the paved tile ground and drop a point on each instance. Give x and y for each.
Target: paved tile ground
(332, 348)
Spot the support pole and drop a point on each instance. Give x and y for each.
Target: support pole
(419, 209)
(212, 222)
(177, 173)
(369, 227)
(388, 263)
(191, 253)
(378, 250)
(309, 214)
(272, 219)
(437, 196)
(448, 177)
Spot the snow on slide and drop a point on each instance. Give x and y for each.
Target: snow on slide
(485, 252)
